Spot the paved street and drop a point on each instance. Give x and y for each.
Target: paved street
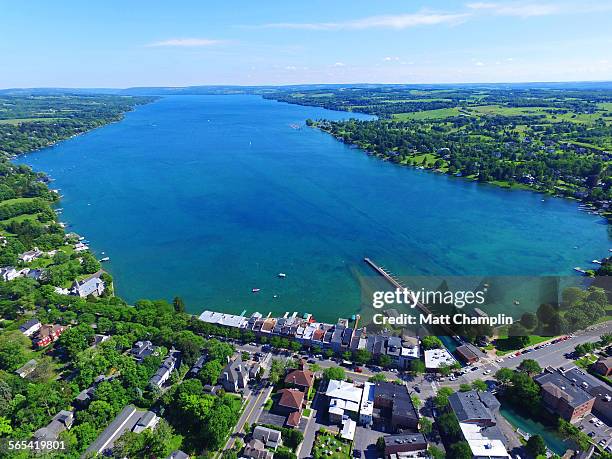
(256, 399)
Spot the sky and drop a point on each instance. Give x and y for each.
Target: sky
(117, 44)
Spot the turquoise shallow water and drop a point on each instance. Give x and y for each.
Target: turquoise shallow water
(208, 197)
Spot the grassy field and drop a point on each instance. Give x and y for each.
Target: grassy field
(16, 121)
(327, 445)
(427, 114)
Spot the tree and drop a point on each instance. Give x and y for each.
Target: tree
(449, 426)
(431, 342)
(178, 304)
(441, 398)
(12, 351)
(465, 387)
(530, 366)
(425, 426)
(479, 385)
(416, 401)
(347, 355)
(417, 366)
(444, 370)
(378, 377)
(334, 373)
(536, 446)
(504, 375)
(158, 442)
(385, 361)
(362, 356)
(572, 295)
(210, 372)
(545, 312)
(460, 450)
(529, 320)
(435, 452)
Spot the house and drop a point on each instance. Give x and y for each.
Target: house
(98, 339)
(26, 369)
(9, 273)
(467, 353)
(348, 429)
(366, 408)
(129, 419)
(30, 255)
(60, 422)
(602, 406)
(413, 443)
(226, 320)
(603, 366)
(255, 449)
(92, 285)
(564, 397)
(165, 370)
(80, 247)
(235, 376)
(271, 438)
(30, 327)
(291, 400)
(477, 416)
(48, 334)
(178, 454)
(344, 400)
(300, 379)
(36, 274)
(197, 366)
(394, 404)
(437, 358)
(143, 349)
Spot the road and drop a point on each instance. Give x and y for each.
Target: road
(256, 400)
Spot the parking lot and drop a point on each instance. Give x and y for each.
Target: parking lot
(597, 430)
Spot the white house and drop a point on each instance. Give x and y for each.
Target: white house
(30, 255)
(30, 327)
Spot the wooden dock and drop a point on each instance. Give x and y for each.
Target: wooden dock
(397, 284)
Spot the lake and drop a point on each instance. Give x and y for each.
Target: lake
(209, 197)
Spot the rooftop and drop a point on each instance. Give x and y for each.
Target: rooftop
(559, 386)
(436, 358)
(291, 398)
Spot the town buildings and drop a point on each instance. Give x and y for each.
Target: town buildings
(564, 397)
(235, 376)
(410, 445)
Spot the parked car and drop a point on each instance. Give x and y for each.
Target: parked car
(358, 370)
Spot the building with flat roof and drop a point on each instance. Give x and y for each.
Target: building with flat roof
(436, 358)
(348, 429)
(394, 404)
(226, 320)
(344, 400)
(405, 443)
(602, 406)
(477, 415)
(564, 397)
(366, 409)
(467, 353)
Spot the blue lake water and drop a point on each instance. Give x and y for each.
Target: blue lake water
(208, 197)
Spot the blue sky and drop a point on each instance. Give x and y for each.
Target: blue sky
(161, 43)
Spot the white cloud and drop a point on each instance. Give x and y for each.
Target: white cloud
(400, 21)
(184, 42)
(389, 59)
(291, 68)
(479, 64)
(527, 9)
(339, 64)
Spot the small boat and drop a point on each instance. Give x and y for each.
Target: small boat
(275, 296)
(597, 262)
(104, 259)
(580, 270)
(255, 290)
(517, 302)
(282, 275)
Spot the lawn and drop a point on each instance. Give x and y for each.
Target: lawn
(533, 340)
(327, 445)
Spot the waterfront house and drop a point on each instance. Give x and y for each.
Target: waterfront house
(91, 285)
(30, 327)
(359, 340)
(235, 376)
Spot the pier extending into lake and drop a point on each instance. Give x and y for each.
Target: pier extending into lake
(397, 284)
